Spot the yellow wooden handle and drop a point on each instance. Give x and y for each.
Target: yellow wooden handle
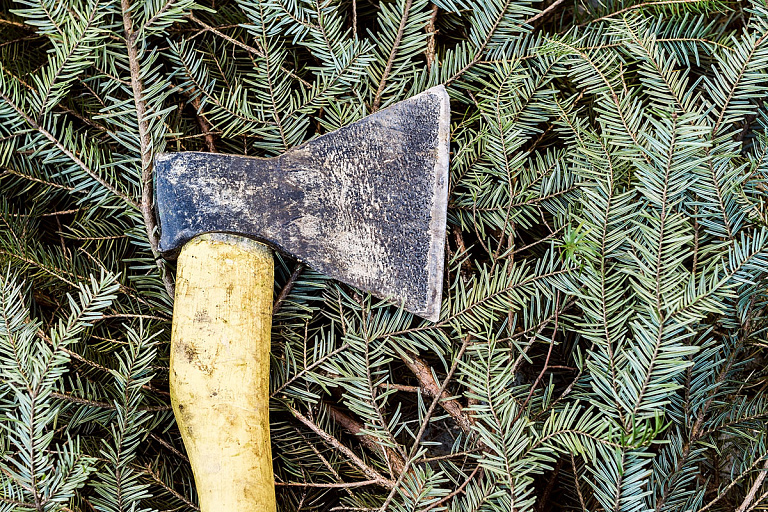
(219, 375)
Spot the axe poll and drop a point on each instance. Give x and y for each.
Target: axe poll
(365, 204)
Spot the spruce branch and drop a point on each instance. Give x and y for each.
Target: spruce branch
(393, 458)
(258, 52)
(429, 386)
(371, 473)
(70, 154)
(415, 447)
(392, 55)
(644, 5)
(145, 145)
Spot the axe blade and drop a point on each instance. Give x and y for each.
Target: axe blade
(365, 204)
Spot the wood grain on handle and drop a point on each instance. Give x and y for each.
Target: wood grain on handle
(219, 372)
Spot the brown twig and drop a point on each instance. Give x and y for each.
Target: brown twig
(161, 483)
(133, 315)
(341, 485)
(578, 485)
(17, 503)
(5, 21)
(696, 431)
(641, 6)
(322, 459)
(72, 354)
(425, 421)
(145, 146)
(758, 501)
(298, 269)
(543, 13)
(431, 31)
(753, 490)
(171, 448)
(392, 55)
(461, 248)
(481, 50)
(204, 125)
(14, 172)
(371, 473)
(449, 456)
(354, 427)
(546, 361)
(402, 387)
(244, 46)
(550, 486)
(430, 387)
(105, 405)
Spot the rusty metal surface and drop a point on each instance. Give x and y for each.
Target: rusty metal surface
(365, 205)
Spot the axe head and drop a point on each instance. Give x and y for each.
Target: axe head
(365, 205)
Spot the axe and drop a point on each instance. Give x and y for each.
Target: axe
(365, 205)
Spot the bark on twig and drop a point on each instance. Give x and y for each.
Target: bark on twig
(161, 483)
(392, 55)
(478, 470)
(171, 448)
(204, 125)
(341, 485)
(104, 405)
(145, 145)
(349, 454)
(425, 421)
(355, 427)
(287, 288)
(753, 490)
(244, 46)
(545, 12)
(430, 387)
(431, 31)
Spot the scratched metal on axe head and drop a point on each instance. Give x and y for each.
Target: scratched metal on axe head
(365, 205)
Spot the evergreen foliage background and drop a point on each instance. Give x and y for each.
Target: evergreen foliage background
(601, 342)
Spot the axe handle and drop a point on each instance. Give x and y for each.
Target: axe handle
(219, 374)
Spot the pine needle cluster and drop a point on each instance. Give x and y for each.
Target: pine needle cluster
(601, 341)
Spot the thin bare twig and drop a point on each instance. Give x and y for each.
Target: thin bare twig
(543, 13)
(455, 493)
(342, 485)
(430, 29)
(758, 501)
(204, 125)
(394, 459)
(244, 46)
(105, 405)
(546, 361)
(641, 6)
(425, 421)
(371, 473)
(322, 459)
(161, 483)
(392, 55)
(423, 373)
(145, 146)
(287, 288)
(753, 490)
(171, 448)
